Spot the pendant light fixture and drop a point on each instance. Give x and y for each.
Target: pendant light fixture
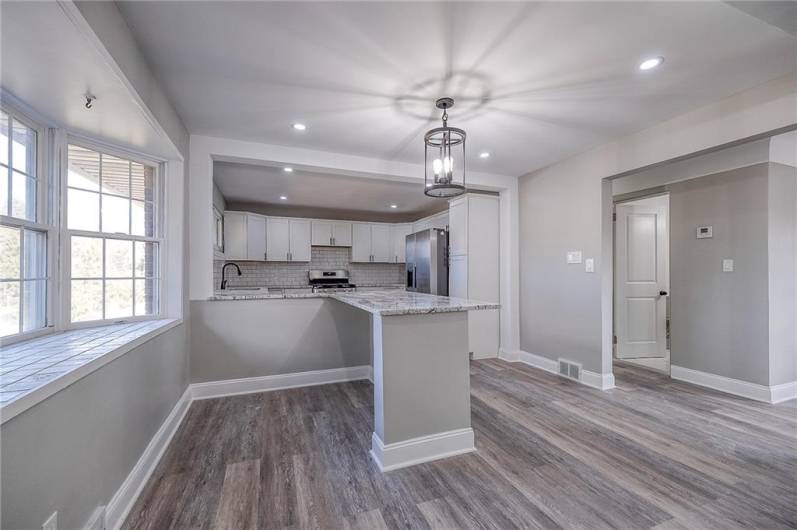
(444, 152)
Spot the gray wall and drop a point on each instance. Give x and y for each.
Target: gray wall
(72, 451)
(720, 320)
(783, 273)
(252, 338)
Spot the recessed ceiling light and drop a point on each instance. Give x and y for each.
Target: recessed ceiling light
(485, 154)
(288, 169)
(394, 206)
(299, 126)
(651, 63)
(283, 198)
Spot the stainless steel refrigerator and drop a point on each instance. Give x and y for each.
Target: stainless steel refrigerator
(427, 261)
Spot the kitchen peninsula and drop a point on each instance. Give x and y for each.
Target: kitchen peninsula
(419, 362)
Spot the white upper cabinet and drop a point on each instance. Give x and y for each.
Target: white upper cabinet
(361, 242)
(458, 226)
(322, 233)
(381, 244)
(398, 238)
(278, 238)
(341, 234)
(244, 236)
(300, 239)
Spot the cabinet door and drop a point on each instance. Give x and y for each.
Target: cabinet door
(458, 276)
(278, 240)
(381, 244)
(361, 242)
(255, 237)
(458, 227)
(234, 235)
(322, 233)
(300, 240)
(399, 240)
(341, 234)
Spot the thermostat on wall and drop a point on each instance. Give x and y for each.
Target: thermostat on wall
(704, 232)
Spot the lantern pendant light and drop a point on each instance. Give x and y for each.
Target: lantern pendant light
(444, 152)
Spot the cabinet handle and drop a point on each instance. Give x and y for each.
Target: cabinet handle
(330, 241)
(265, 256)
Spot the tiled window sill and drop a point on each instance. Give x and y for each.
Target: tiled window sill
(34, 370)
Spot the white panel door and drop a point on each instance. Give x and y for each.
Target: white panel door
(255, 237)
(381, 244)
(361, 242)
(278, 239)
(341, 234)
(300, 240)
(458, 227)
(399, 235)
(234, 235)
(641, 280)
(322, 233)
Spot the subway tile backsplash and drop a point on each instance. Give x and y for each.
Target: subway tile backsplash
(287, 274)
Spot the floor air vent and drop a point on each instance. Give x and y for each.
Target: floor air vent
(570, 369)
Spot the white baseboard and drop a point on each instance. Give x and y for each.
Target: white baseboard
(121, 503)
(767, 394)
(591, 379)
(249, 385)
(423, 449)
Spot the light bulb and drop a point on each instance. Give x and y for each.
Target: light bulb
(448, 165)
(437, 166)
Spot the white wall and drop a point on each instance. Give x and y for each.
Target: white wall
(567, 206)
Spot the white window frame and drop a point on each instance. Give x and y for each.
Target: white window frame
(66, 233)
(44, 216)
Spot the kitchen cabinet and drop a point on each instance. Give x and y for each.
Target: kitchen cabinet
(331, 234)
(398, 238)
(371, 243)
(287, 239)
(438, 220)
(244, 236)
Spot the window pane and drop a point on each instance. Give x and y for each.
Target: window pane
(143, 219)
(86, 257)
(142, 182)
(9, 308)
(23, 197)
(3, 138)
(118, 258)
(118, 298)
(146, 297)
(23, 148)
(35, 261)
(146, 260)
(9, 252)
(3, 190)
(115, 175)
(115, 215)
(34, 305)
(83, 210)
(86, 300)
(84, 168)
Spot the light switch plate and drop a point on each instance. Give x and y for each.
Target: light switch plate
(574, 256)
(727, 265)
(705, 232)
(589, 265)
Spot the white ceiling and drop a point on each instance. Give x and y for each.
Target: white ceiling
(49, 63)
(265, 185)
(534, 82)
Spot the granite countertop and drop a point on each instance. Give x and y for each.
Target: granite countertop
(378, 301)
(392, 302)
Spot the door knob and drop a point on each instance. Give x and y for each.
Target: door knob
(662, 293)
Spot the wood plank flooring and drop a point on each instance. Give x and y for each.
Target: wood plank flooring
(653, 453)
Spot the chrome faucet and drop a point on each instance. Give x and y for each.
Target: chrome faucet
(224, 269)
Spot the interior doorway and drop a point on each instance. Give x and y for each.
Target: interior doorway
(642, 282)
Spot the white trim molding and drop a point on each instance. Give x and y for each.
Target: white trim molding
(126, 496)
(250, 385)
(422, 449)
(737, 387)
(590, 379)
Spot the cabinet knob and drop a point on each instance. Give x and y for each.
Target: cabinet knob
(662, 293)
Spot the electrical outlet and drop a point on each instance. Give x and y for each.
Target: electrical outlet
(589, 265)
(51, 523)
(727, 265)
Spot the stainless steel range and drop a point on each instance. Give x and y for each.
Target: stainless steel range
(330, 281)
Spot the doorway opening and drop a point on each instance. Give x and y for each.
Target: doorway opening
(642, 282)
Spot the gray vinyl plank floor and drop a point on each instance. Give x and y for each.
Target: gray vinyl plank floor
(652, 453)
